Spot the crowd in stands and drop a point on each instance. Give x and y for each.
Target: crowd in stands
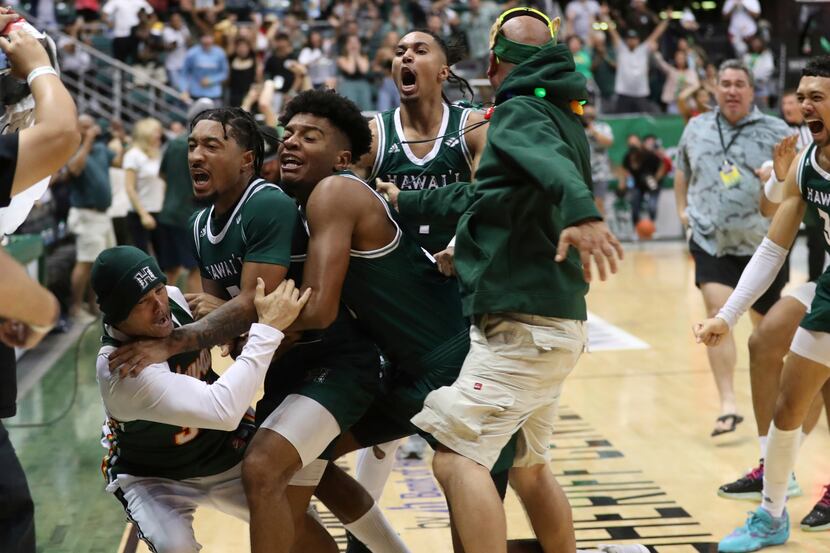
(244, 52)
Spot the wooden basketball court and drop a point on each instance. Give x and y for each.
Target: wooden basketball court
(632, 448)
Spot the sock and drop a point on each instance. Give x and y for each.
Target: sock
(371, 472)
(376, 533)
(782, 448)
(762, 441)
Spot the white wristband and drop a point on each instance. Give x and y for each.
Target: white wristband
(774, 189)
(38, 71)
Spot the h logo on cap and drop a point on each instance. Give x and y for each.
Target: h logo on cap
(144, 277)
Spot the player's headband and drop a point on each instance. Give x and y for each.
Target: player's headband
(516, 52)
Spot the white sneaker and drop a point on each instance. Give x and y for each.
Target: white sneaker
(414, 448)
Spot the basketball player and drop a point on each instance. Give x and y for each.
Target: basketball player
(806, 367)
(426, 143)
(768, 345)
(170, 430)
(247, 233)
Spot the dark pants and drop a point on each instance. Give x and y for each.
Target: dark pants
(17, 512)
(651, 197)
(634, 104)
(140, 236)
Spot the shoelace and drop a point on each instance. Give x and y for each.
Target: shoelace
(825, 499)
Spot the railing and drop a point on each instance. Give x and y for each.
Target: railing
(111, 89)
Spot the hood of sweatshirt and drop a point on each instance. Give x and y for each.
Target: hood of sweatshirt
(550, 69)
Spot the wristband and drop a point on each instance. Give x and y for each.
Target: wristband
(774, 188)
(37, 72)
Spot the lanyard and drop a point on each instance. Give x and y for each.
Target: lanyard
(734, 138)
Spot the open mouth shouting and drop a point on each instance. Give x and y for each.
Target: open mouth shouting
(289, 163)
(816, 126)
(201, 179)
(409, 81)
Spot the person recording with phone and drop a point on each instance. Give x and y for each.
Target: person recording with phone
(27, 310)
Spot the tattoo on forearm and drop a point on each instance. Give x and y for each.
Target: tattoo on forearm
(219, 327)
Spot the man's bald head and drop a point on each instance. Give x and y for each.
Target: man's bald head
(527, 30)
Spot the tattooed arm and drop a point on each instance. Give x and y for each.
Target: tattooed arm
(220, 326)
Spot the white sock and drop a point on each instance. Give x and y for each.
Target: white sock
(376, 533)
(782, 449)
(371, 472)
(762, 441)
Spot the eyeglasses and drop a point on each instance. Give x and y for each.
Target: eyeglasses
(532, 12)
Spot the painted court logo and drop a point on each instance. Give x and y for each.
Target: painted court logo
(144, 277)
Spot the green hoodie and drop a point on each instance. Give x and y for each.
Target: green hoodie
(531, 183)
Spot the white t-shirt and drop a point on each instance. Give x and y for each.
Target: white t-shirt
(175, 58)
(583, 15)
(632, 75)
(124, 15)
(148, 184)
(741, 23)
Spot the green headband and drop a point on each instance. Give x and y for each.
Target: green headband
(512, 51)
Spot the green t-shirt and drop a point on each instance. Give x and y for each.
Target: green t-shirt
(91, 189)
(178, 196)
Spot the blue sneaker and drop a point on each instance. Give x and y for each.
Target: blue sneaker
(759, 531)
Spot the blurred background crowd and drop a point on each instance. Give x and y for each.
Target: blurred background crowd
(138, 68)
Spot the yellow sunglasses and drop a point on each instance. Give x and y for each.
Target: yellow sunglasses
(552, 24)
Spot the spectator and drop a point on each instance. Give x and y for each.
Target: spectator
(720, 199)
(75, 62)
(603, 67)
(149, 46)
(354, 71)
(244, 73)
(640, 18)
(760, 61)
(582, 58)
(476, 23)
(398, 22)
(144, 187)
(581, 16)
(175, 253)
(205, 14)
(291, 28)
(283, 76)
(679, 77)
(121, 16)
(90, 195)
(742, 15)
(644, 169)
(119, 140)
(176, 37)
(693, 101)
(315, 58)
(632, 85)
(600, 139)
(205, 69)
(89, 10)
(388, 96)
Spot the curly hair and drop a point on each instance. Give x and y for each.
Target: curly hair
(340, 111)
(239, 125)
(818, 66)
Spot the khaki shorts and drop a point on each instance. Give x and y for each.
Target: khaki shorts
(511, 381)
(93, 232)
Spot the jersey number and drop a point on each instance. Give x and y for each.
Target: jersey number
(826, 218)
(186, 435)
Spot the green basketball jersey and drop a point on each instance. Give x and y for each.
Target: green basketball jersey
(259, 229)
(398, 296)
(146, 448)
(448, 162)
(814, 185)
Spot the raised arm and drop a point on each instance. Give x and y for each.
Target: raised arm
(655, 35)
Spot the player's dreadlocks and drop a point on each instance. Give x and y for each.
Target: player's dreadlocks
(818, 66)
(241, 126)
(342, 112)
(455, 50)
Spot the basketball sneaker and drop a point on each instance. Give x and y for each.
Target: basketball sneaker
(819, 518)
(760, 530)
(749, 486)
(413, 448)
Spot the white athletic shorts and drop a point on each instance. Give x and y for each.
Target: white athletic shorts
(804, 293)
(93, 232)
(162, 509)
(510, 381)
(310, 428)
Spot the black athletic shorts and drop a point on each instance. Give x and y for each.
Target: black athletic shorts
(727, 270)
